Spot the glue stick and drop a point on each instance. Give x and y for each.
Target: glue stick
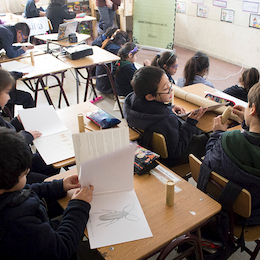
(169, 193)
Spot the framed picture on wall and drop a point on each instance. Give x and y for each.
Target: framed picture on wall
(227, 15)
(181, 7)
(254, 21)
(202, 11)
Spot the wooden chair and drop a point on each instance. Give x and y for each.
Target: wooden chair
(241, 206)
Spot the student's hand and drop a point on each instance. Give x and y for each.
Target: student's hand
(35, 134)
(84, 194)
(239, 111)
(25, 73)
(178, 110)
(147, 63)
(109, 4)
(25, 48)
(217, 125)
(198, 114)
(71, 182)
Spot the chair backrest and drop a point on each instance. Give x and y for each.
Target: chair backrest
(242, 204)
(159, 145)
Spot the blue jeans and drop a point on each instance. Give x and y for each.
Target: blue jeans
(107, 17)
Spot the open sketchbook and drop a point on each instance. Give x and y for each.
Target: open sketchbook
(116, 215)
(55, 144)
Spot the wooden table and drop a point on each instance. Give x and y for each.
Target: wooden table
(191, 208)
(43, 64)
(64, 43)
(100, 56)
(69, 117)
(205, 124)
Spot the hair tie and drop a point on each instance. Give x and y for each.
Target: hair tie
(158, 56)
(196, 56)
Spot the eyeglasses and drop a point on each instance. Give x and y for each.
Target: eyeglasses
(169, 91)
(22, 37)
(175, 66)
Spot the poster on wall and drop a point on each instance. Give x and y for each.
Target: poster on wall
(154, 23)
(202, 11)
(181, 7)
(254, 21)
(227, 15)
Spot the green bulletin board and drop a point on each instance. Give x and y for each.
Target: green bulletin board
(154, 23)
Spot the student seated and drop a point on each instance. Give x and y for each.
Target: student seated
(194, 71)
(113, 45)
(99, 40)
(13, 34)
(25, 229)
(148, 108)
(7, 83)
(249, 78)
(32, 11)
(167, 61)
(56, 12)
(125, 69)
(236, 155)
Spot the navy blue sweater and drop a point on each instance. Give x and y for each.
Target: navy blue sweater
(25, 230)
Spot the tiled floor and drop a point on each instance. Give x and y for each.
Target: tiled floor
(218, 70)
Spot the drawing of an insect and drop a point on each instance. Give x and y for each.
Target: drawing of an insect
(113, 216)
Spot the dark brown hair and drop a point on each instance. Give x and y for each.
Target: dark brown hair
(6, 79)
(249, 78)
(166, 58)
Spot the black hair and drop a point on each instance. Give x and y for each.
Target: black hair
(6, 79)
(23, 27)
(250, 77)
(195, 65)
(15, 157)
(119, 37)
(146, 80)
(166, 58)
(254, 98)
(109, 32)
(61, 2)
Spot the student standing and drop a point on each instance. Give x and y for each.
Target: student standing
(148, 108)
(26, 232)
(107, 10)
(195, 70)
(167, 61)
(57, 11)
(249, 78)
(32, 11)
(13, 34)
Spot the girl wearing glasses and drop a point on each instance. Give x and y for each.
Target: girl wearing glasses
(195, 70)
(168, 62)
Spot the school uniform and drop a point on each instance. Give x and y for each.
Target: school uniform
(236, 156)
(99, 40)
(31, 10)
(123, 77)
(103, 83)
(8, 36)
(197, 79)
(57, 13)
(238, 92)
(159, 117)
(26, 231)
(38, 165)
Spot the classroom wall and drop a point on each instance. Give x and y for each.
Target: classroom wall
(234, 42)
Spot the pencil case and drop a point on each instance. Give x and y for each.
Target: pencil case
(219, 99)
(103, 119)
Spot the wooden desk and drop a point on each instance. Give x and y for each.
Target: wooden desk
(99, 56)
(191, 208)
(43, 64)
(64, 43)
(69, 117)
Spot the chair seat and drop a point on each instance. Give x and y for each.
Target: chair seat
(250, 233)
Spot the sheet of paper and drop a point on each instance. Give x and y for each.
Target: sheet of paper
(55, 148)
(90, 145)
(111, 172)
(15, 66)
(43, 119)
(116, 218)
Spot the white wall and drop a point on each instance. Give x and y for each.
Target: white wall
(234, 42)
